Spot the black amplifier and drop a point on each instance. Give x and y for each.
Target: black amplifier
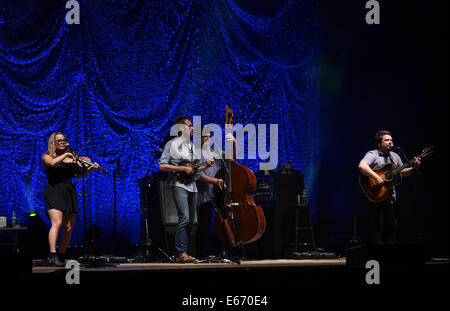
(263, 194)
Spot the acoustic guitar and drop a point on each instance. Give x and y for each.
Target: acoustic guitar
(391, 176)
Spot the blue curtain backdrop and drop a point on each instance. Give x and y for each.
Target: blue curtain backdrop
(120, 78)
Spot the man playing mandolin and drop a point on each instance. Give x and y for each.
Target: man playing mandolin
(185, 194)
(382, 212)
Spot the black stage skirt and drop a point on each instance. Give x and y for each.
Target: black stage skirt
(61, 196)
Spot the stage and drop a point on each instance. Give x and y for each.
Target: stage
(304, 86)
(272, 277)
(245, 265)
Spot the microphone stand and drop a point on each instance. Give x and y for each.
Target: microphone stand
(414, 189)
(355, 238)
(116, 173)
(88, 252)
(88, 257)
(406, 159)
(403, 155)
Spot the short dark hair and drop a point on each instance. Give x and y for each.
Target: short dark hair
(379, 136)
(181, 120)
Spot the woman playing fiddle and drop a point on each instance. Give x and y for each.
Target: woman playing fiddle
(61, 203)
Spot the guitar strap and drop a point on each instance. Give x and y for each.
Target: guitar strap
(392, 161)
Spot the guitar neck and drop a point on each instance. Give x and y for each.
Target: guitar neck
(402, 167)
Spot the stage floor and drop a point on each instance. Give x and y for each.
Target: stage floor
(248, 264)
(277, 278)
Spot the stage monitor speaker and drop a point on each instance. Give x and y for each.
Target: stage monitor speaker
(390, 255)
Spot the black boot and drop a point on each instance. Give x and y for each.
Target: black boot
(61, 257)
(53, 260)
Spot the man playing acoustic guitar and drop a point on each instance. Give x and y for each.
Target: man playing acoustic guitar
(382, 213)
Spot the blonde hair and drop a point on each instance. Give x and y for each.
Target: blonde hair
(51, 146)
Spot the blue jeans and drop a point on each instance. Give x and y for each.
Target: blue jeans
(186, 203)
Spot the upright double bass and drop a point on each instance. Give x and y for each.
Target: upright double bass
(238, 220)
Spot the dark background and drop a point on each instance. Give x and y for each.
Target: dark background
(390, 76)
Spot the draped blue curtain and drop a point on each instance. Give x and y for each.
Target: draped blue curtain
(120, 78)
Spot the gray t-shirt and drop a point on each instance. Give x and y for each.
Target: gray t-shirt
(176, 150)
(376, 159)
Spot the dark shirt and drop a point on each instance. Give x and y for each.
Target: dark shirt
(206, 190)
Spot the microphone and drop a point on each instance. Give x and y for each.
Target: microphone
(394, 148)
(69, 148)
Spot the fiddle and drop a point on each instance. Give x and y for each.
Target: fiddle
(83, 160)
(87, 161)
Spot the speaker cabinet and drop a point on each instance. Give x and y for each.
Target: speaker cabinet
(287, 187)
(277, 195)
(390, 255)
(158, 205)
(166, 203)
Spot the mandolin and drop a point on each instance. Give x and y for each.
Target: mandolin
(188, 178)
